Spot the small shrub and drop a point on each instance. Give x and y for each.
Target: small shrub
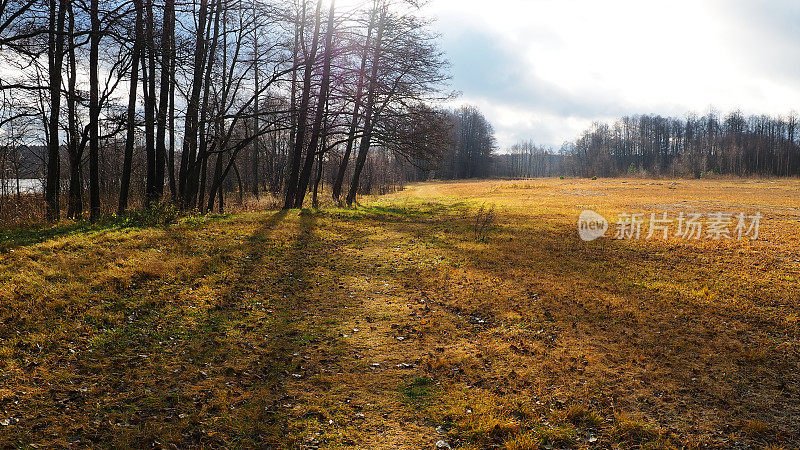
(582, 417)
(487, 428)
(483, 222)
(557, 436)
(524, 441)
(547, 437)
(158, 214)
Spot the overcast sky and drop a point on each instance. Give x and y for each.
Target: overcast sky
(546, 69)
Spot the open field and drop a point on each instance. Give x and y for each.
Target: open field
(412, 319)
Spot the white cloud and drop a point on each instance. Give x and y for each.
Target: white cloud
(584, 60)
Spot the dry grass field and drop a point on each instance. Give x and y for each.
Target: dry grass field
(466, 312)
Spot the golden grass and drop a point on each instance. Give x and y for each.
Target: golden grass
(396, 324)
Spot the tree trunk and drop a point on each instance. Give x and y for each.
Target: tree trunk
(240, 189)
(173, 189)
(94, 114)
(351, 137)
(131, 132)
(202, 186)
(368, 119)
(218, 180)
(161, 127)
(75, 207)
(192, 109)
(254, 158)
(298, 37)
(297, 151)
(55, 54)
(317, 179)
(150, 104)
(323, 96)
(200, 165)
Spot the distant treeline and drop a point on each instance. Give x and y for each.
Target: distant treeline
(467, 151)
(528, 160)
(663, 146)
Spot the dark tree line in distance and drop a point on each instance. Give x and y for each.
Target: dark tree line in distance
(466, 151)
(653, 145)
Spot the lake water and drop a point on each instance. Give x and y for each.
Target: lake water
(26, 186)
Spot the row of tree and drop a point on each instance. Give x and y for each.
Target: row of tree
(526, 159)
(736, 144)
(185, 100)
(467, 150)
(663, 146)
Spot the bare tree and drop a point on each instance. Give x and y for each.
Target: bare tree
(312, 150)
(302, 122)
(131, 114)
(55, 57)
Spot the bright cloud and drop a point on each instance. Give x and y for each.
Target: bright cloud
(545, 69)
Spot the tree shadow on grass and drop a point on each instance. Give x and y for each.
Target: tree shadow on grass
(214, 358)
(10, 239)
(633, 306)
(152, 366)
(159, 365)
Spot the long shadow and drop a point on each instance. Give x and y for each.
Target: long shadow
(219, 373)
(10, 239)
(179, 376)
(263, 370)
(665, 329)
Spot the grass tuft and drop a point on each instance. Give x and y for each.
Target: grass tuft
(579, 416)
(634, 431)
(419, 389)
(756, 428)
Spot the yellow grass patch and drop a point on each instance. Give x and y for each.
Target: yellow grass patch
(412, 319)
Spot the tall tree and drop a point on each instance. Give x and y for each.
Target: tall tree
(167, 51)
(372, 92)
(149, 88)
(131, 114)
(254, 166)
(190, 137)
(351, 135)
(74, 147)
(94, 112)
(322, 99)
(302, 122)
(55, 57)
